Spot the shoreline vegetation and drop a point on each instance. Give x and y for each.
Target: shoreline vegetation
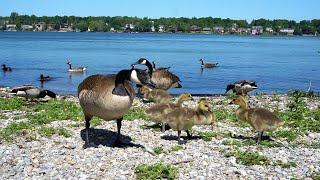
(44, 139)
(124, 24)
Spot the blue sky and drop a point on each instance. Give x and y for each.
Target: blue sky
(235, 9)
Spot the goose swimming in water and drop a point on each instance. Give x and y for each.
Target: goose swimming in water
(162, 78)
(76, 69)
(43, 78)
(6, 68)
(242, 87)
(109, 97)
(207, 65)
(160, 68)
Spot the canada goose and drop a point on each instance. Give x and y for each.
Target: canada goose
(155, 95)
(31, 92)
(260, 119)
(43, 78)
(6, 68)
(109, 97)
(184, 118)
(158, 111)
(207, 65)
(242, 87)
(76, 69)
(160, 68)
(163, 79)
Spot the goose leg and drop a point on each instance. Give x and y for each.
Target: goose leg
(87, 143)
(118, 143)
(189, 134)
(260, 133)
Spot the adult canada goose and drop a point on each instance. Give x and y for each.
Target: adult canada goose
(160, 68)
(184, 118)
(109, 97)
(242, 87)
(162, 78)
(32, 92)
(208, 65)
(155, 95)
(157, 112)
(76, 69)
(6, 68)
(43, 78)
(260, 119)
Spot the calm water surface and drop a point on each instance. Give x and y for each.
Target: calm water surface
(276, 63)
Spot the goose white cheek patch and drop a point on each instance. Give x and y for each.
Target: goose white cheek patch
(134, 77)
(144, 62)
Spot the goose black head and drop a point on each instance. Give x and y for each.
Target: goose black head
(229, 87)
(141, 77)
(3, 65)
(144, 61)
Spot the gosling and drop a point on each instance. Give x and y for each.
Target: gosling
(155, 95)
(184, 118)
(260, 119)
(158, 111)
(6, 68)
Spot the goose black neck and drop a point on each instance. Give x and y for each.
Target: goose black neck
(149, 65)
(122, 76)
(201, 62)
(70, 66)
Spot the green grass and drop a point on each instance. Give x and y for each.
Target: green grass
(9, 132)
(49, 131)
(248, 158)
(290, 135)
(176, 148)
(12, 103)
(316, 176)
(95, 122)
(232, 142)
(3, 116)
(208, 135)
(156, 171)
(136, 113)
(158, 150)
(285, 165)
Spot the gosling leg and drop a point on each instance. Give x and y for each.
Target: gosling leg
(163, 127)
(179, 138)
(118, 143)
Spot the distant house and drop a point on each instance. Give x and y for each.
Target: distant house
(219, 30)
(256, 30)
(11, 27)
(161, 28)
(172, 29)
(66, 28)
(195, 29)
(206, 30)
(243, 30)
(52, 27)
(40, 26)
(129, 27)
(287, 31)
(26, 27)
(112, 29)
(269, 30)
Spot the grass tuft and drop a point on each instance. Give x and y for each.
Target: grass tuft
(176, 148)
(248, 158)
(156, 171)
(158, 150)
(136, 113)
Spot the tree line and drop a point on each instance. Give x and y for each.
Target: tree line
(182, 24)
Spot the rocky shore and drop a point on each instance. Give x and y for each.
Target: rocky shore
(227, 152)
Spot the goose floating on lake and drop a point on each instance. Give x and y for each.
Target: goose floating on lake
(6, 68)
(76, 69)
(208, 65)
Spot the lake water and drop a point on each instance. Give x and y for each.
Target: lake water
(275, 63)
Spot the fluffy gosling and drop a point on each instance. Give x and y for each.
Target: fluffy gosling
(259, 118)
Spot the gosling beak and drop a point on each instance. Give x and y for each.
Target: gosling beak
(230, 102)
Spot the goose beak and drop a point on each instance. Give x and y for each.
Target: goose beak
(151, 84)
(135, 63)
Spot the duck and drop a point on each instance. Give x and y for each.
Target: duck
(155, 95)
(183, 118)
(242, 87)
(76, 69)
(162, 78)
(6, 68)
(43, 78)
(109, 97)
(31, 92)
(208, 65)
(160, 68)
(158, 111)
(260, 119)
